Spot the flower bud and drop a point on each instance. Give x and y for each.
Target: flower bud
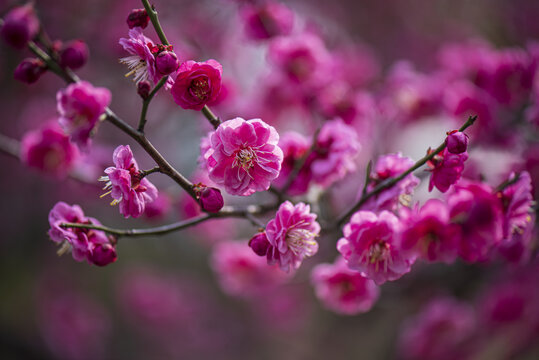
(143, 89)
(74, 55)
(166, 62)
(211, 200)
(456, 142)
(138, 17)
(20, 26)
(103, 254)
(260, 244)
(29, 70)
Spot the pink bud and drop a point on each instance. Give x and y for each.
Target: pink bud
(456, 142)
(143, 89)
(260, 244)
(20, 26)
(138, 17)
(74, 55)
(29, 70)
(103, 254)
(166, 62)
(211, 200)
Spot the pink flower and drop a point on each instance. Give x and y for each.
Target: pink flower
(49, 150)
(267, 20)
(301, 57)
(343, 290)
(371, 246)
(142, 63)
(439, 332)
(294, 146)
(159, 208)
(74, 55)
(29, 70)
(336, 149)
(137, 17)
(197, 84)
(19, 26)
(479, 214)
(456, 142)
(85, 244)
(244, 156)
(429, 234)
(292, 235)
(241, 272)
(126, 185)
(446, 169)
(389, 166)
(80, 105)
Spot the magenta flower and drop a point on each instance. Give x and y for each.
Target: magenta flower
(29, 70)
(125, 184)
(241, 272)
(336, 149)
(49, 150)
(517, 203)
(267, 20)
(440, 331)
(429, 235)
(371, 246)
(137, 17)
(141, 62)
(19, 26)
(294, 146)
(478, 211)
(456, 142)
(389, 166)
(197, 84)
(74, 55)
(244, 156)
(85, 244)
(292, 235)
(80, 105)
(343, 290)
(446, 169)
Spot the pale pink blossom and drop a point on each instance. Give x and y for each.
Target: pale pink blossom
(126, 185)
(292, 235)
(244, 156)
(371, 245)
(343, 290)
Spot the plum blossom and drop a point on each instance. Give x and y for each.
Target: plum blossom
(80, 105)
(49, 150)
(429, 234)
(126, 185)
(294, 146)
(337, 147)
(241, 272)
(197, 84)
(389, 166)
(440, 331)
(267, 20)
(19, 26)
(343, 290)
(446, 169)
(142, 62)
(479, 213)
(244, 156)
(291, 235)
(371, 245)
(84, 244)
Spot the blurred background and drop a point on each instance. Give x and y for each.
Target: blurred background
(164, 297)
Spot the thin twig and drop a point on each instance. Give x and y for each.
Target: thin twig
(146, 103)
(10, 146)
(152, 13)
(390, 182)
(214, 120)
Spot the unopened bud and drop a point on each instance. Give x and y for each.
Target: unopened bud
(74, 55)
(166, 62)
(103, 254)
(143, 89)
(456, 142)
(138, 17)
(260, 244)
(211, 200)
(20, 26)
(29, 70)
